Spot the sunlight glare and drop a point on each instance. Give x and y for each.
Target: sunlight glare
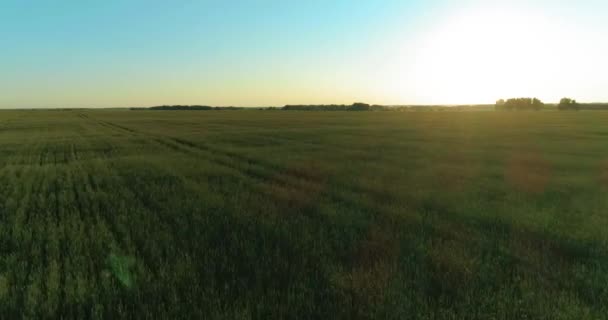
(480, 55)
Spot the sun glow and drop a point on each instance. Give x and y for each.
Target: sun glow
(482, 54)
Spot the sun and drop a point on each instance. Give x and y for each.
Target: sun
(481, 54)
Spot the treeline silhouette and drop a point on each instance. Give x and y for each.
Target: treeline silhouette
(328, 107)
(568, 104)
(565, 104)
(520, 104)
(195, 107)
(357, 106)
(515, 104)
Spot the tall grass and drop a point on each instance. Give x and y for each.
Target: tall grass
(303, 215)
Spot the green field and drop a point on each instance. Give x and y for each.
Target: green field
(303, 215)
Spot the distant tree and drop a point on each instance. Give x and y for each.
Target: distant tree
(358, 106)
(537, 104)
(568, 104)
(519, 104)
(502, 105)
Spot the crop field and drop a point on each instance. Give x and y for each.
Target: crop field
(303, 215)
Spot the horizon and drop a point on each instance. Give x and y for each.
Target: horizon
(492, 105)
(114, 54)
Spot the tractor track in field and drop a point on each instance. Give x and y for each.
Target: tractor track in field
(89, 207)
(280, 175)
(43, 163)
(62, 250)
(193, 149)
(35, 189)
(284, 177)
(148, 259)
(255, 169)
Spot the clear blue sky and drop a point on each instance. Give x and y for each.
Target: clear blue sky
(139, 53)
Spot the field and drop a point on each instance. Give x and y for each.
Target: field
(311, 215)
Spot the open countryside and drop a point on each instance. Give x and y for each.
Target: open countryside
(289, 214)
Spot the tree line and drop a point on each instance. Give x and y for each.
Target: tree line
(357, 106)
(520, 104)
(536, 104)
(184, 107)
(568, 104)
(514, 104)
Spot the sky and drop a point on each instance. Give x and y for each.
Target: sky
(121, 53)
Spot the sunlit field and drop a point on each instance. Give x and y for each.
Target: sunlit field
(303, 215)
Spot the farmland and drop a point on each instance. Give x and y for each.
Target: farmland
(312, 215)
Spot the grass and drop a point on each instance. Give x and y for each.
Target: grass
(303, 215)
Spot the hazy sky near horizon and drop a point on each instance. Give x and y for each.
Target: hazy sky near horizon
(69, 53)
